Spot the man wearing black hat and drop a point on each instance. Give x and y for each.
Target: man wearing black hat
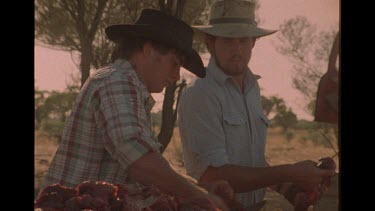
(108, 135)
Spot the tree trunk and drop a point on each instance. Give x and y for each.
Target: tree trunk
(169, 115)
(168, 120)
(85, 62)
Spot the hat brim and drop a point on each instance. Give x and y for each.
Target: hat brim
(232, 30)
(193, 62)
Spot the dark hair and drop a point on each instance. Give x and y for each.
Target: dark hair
(126, 47)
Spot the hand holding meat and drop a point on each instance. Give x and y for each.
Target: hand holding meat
(302, 198)
(222, 189)
(307, 175)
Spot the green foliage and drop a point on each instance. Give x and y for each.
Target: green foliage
(53, 108)
(57, 106)
(319, 133)
(54, 25)
(267, 105)
(285, 118)
(71, 25)
(306, 125)
(289, 135)
(272, 104)
(53, 128)
(308, 50)
(282, 116)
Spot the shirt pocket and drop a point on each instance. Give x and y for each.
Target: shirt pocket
(234, 119)
(236, 133)
(265, 120)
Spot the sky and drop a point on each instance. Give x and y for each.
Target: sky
(53, 68)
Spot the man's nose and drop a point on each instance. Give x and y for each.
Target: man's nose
(237, 46)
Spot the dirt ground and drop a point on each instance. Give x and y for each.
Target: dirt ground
(278, 151)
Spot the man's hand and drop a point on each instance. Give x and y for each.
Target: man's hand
(307, 175)
(219, 203)
(220, 187)
(153, 169)
(300, 198)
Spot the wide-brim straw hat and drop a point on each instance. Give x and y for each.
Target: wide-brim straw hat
(232, 18)
(165, 29)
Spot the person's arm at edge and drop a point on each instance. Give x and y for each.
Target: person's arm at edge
(244, 179)
(153, 169)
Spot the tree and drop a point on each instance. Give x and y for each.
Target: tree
(40, 114)
(272, 104)
(285, 118)
(51, 111)
(70, 25)
(282, 116)
(77, 26)
(308, 50)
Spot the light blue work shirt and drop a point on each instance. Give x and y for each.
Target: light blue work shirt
(221, 125)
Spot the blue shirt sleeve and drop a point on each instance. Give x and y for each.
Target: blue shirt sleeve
(201, 131)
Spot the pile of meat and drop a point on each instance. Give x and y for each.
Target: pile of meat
(103, 196)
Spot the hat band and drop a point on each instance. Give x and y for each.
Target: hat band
(233, 20)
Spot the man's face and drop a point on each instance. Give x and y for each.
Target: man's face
(164, 70)
(232, 54)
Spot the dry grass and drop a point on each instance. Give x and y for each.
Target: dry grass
(278, 151)
(45, 148)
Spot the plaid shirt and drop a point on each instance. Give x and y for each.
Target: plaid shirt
(108, 129)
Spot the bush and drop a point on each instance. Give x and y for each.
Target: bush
(53, 128)
(305, 125)
(289, 135)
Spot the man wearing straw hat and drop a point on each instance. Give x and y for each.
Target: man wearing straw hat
(221, 120)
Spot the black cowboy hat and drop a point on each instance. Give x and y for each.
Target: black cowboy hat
(165, 29)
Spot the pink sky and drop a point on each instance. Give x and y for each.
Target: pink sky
(53, 68)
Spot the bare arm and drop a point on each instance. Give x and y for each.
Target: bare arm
(153, 169)
(244, 179)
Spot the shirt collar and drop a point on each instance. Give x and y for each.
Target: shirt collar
(148, 100)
